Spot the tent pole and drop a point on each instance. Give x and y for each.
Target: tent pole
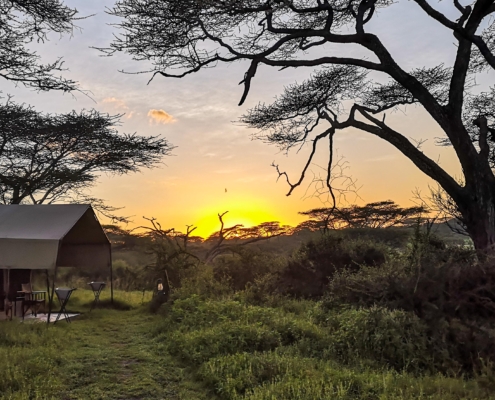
(50, 295)
(8, 292)
(111, 278)
(47, 288)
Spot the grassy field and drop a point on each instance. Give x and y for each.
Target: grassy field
(105, 354)
(212, 349)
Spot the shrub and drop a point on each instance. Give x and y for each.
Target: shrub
(308, 272)
(395, 339)
(455, 300)
(246, 266)
(200, 280)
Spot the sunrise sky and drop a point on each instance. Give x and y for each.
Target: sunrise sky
(214, 153)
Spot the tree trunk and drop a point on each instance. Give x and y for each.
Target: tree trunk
(16, 195)
(479, 215)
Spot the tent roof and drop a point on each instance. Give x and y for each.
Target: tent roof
(47, 236)
(39, 222)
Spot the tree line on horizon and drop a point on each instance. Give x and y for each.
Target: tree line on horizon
(377, 215)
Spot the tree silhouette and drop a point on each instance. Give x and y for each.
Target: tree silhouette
(56, 157)
(181, 37)
(382, 214)
(229, 239)
(23, 22)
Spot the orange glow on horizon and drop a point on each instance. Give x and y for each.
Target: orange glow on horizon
(210, 223)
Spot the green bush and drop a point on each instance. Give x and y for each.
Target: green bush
(200, 280)
(394, 339)
(298, 350)
(196, 313)
(309, 270)
(246, 266)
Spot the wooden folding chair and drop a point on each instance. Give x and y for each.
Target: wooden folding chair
(33, 300)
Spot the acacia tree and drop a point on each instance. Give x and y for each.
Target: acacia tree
(183, 36)
(56, 157)
(230, 239)
(382, 214)
(23, 22)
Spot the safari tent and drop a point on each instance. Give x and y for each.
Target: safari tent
(46, 237)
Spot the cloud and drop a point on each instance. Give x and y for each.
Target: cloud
(161, 117)
(117, 103)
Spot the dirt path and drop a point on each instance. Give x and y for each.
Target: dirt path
(114, 357)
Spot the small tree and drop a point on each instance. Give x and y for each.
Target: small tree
(46, 158)
(232, 238)
(23, 22)
(171, 250)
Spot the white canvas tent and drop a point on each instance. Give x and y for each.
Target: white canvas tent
(46, 237)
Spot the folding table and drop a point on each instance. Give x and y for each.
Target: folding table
(97, 287)
(63, 295)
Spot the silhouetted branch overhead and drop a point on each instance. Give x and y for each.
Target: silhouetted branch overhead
(23, 22)
(183, 36)
(46, 158)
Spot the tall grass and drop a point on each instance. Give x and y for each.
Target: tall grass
(297, 351)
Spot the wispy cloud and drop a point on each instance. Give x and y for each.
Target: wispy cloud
(161, 117)
(117, 103)
(120, 105)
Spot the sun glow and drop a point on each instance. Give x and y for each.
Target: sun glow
(210, 223)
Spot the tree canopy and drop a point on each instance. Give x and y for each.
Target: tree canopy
(23, 22)
(182, 37)
(382, 214)
(56, 157)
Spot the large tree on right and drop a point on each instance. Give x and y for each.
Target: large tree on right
(184, 36)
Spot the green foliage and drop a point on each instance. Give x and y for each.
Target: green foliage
(198, 330)
(451, 293)
(308, 272)
(200, 280)
(393, 338)
(246, 266)
(293, 350)
(275, 375)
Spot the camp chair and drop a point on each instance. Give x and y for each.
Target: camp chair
(33, 300)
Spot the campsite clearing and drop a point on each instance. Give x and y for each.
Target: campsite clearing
(105, 354)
